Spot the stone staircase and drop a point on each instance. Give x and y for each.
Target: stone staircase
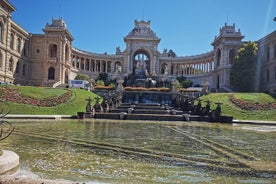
(140, 111)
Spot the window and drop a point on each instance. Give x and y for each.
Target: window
(51, 73)
(17, 67)
(25, 49)
(18, 45)
(10, 65)
(275, 72)
(67, 53)
(218, 57)
(267, 75)
(11, 41)
(267, 54)
(53, 50)
(1, 32)
(275, 50)
(1, 60)
(24, 69)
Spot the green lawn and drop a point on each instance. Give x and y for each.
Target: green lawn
(78, 103)
(40, 92)
(75, 104)
(229, 109)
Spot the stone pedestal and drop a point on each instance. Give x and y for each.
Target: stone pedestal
(9, 162)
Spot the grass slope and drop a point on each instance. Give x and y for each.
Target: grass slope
(75, 104)
(78, 103)
(229, 109)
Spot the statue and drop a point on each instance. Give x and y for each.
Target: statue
(118, 69)
(90, 111)
(91, 83)
(166, 70)
(98, 107)
(141, 68)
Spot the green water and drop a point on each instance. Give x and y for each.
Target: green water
(99, 151)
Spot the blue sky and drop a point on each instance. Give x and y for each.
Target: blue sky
(188, 27)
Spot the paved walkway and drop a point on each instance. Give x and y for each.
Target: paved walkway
(255, 122)
(25, 116)
(59, 117)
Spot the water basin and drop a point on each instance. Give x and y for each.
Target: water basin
(108, 151)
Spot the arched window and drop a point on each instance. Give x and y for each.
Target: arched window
(51, 73)
(53, 50)
(11, 41)
(218, 57)
(232, 56)
(18, 45)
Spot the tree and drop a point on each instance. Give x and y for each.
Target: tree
(103, 76)
(81, 77)
(185, 83)
(243, 71)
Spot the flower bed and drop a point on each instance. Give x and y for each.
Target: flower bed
(12, 95)
(104, 87)
(243, 104)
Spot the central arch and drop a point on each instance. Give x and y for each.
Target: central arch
(141, 64)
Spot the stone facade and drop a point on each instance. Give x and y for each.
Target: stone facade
(49, 59)
(267, 63)
(14, 58)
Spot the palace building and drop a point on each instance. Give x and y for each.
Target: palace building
(50, 59)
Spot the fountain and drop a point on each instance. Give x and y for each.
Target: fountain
(151, 102)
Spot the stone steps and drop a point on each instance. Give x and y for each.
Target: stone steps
(153, 112)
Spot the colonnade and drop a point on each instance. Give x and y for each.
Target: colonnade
(189, 69)
(111, 64)
(106, 65)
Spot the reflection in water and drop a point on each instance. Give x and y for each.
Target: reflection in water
(143, 152)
